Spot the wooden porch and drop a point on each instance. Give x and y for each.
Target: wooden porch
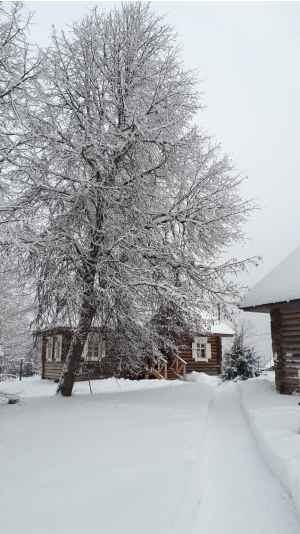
(160, 368)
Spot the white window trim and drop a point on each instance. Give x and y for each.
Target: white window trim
(53, 353)
(101, 348)
(58, 348)
(201, 341)
(100, 351)
(49, 348)
(84, 353)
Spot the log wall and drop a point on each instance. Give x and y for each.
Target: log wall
(214, 364)
(52, 370)
(90, 370)
(110, 366)
(285, 329)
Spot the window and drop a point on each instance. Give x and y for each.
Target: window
(94, 349)
(49, 348)
(53, 348)
(201, 349)
(57, 346)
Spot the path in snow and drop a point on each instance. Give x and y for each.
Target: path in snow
(237, 492)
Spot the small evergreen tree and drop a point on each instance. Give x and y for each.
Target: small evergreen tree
(241, 361)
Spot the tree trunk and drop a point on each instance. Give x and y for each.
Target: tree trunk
(88, 307)
(73, 358)
(86, 315)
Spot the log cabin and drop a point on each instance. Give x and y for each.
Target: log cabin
(200, 352)
(54, 344)
(278, 294)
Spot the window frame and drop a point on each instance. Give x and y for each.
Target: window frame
(54, 348)
(94, 348)
(57, 348)
(49, 349)
(199, 344)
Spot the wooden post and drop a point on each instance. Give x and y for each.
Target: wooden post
(276, 346)
(21, 369)
(91, 391)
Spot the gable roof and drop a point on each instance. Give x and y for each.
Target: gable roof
(282, 284)
(220, 328)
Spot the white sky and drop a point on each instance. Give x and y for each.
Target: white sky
(248, 56)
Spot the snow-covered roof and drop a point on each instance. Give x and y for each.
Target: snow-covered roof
(282, 284)
(221, 328)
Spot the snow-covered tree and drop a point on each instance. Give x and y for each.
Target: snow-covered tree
(16, 315)
(240, 361)
(19, 67)
(166, 326)
(123, 204)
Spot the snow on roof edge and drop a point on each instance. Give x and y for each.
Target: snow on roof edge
(281, 284)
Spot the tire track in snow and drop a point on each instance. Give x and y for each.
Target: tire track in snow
(189, 501)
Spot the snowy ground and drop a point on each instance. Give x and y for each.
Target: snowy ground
(35, 387)
(275, 422)
(157, 460)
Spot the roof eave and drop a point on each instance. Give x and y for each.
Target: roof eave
(219, 334)
(267, 307)
(261, 308)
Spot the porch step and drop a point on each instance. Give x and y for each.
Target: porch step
(155, 374)
(189, 366)
(171, 375)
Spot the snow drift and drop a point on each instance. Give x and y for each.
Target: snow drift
(275, 422)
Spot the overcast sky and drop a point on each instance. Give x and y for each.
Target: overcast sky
(248, 57)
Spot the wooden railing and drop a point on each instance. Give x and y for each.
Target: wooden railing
(159, 367)
(178, 365)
